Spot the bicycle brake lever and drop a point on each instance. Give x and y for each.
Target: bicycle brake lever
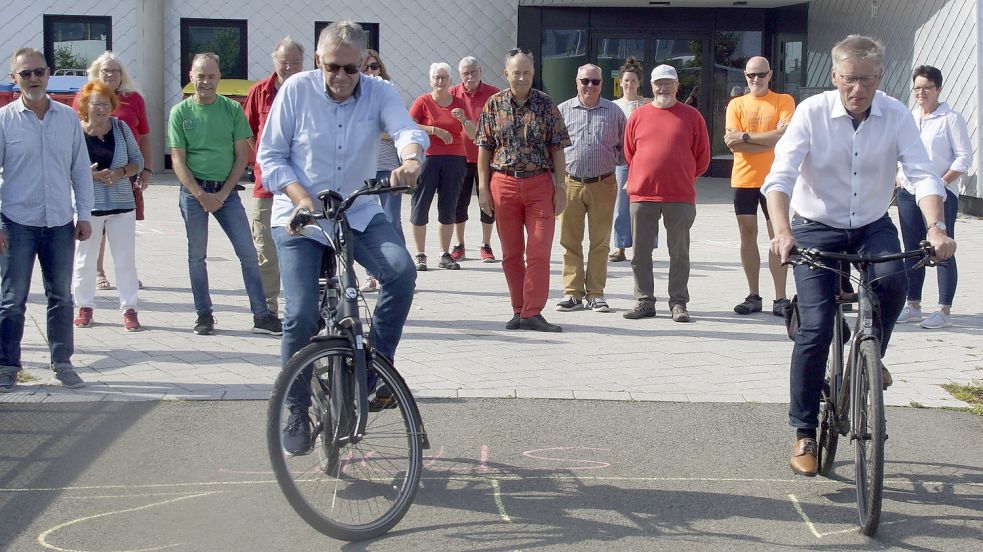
(301, 219)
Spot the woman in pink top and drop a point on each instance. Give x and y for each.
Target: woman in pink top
(131, 110)
(441, 116)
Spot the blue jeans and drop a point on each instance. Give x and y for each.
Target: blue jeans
(913, 231)
(392, 204)
(380, 250)
(231, 216)
(54, 248)
(817, 303)
(622, 216)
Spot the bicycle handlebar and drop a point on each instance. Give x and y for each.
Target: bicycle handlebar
(811, 255)
(371, 186)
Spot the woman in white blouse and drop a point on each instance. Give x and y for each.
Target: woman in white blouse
(630, 100)
(944, 134)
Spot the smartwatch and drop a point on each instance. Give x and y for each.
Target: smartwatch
(940, 225)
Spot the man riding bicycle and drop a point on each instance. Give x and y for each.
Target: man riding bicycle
(323, 134)
(839, 156)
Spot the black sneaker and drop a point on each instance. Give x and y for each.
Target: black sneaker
(383, 399)
(267, 324)
(8, 380)
(643, 309)
(296, 436)
(752, 303)
(539, 324)
(421, 262)
(448, 262)
(779, 306)
(205, 325)
(570, 303)
(514, 323)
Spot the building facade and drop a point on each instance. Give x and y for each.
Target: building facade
(708, 41)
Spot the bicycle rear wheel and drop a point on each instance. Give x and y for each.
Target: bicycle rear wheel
(348, 491)
(869, 434)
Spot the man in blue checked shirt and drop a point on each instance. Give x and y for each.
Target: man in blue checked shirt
(323, 133)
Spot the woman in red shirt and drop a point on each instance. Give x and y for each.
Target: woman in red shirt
(131, 110)
(441, 116)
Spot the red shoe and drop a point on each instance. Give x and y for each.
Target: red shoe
(486, 254)
(457, 252)
(130, 322)
(84, 319)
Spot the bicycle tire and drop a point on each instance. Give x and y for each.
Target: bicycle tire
(349, 491)
(828, 434)
(869, 435)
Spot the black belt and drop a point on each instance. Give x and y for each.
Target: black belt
(216, 184)
(589, 180)
(521, 174)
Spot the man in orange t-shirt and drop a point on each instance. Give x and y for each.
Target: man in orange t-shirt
(755, 123)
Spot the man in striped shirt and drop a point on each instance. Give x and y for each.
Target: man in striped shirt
(597, 128)
(45, 179)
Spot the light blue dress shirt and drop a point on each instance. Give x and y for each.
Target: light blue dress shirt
(42, 163)
(323, 144)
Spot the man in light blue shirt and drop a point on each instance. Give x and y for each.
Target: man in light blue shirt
(43, 164)
(323, 133)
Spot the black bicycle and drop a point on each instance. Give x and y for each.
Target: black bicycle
(852, 400)
(362, 468)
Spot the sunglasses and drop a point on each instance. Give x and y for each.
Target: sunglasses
(374, 66)
(350, 69)
(758, 75)
(517, 51)
(595, 82)
(39, 72)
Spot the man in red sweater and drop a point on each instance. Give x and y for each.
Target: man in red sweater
(666, 147)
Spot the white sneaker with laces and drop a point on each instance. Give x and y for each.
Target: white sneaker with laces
(936, 320)
(909, 314)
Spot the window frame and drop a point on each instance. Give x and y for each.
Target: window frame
(49, 21)
(187, 56)
(372, 28)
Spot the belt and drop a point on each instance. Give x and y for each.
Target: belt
(216, 184)
(521, 174)
(589, 180)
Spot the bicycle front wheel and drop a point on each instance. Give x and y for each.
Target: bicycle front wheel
(869, 434)
(348, 491)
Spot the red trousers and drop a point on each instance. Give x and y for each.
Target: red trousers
(524, 216)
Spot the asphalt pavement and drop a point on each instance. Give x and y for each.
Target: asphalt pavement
(501, 475)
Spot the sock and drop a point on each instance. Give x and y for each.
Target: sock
(805, 433)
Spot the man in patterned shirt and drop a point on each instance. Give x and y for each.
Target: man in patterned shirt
(521, 173)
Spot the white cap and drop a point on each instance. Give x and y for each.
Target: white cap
(664, 72)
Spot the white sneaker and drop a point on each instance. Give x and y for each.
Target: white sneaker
(936, 320)
(909, 314)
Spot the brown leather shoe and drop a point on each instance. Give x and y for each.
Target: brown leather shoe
(618, 256)
(886, 379)
(805, 459)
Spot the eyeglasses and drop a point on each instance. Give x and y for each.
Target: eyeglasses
(517, 51)
(332, 68)
(374, 66)
(868, 80)
(920, 89)
(105, 71)
(752, 76)
(288, 64)
(37, 72)
(101, 105)
(595, 82)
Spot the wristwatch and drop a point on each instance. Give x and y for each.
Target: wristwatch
(415, 157)
(938, 224)
(746, 137)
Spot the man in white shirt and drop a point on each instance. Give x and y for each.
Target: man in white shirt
(840, 156)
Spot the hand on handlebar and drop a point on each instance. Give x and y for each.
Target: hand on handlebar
(781, 246)
(302, 215)
(406, 174)
(945, 247)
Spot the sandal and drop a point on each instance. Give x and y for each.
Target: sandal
(102, 282)
(618, 256)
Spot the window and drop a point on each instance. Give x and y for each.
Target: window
(224, 37)
(371, 33)
(71, 42)
(731, 51)
(564, 50)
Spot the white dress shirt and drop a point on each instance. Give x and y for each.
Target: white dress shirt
(842, 177)
(946, 140)
(323, 144)
(45, 177)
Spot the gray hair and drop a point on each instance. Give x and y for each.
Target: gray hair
(520, 51)
(434, 67)
(287, 43)
(342, 33)
(591, 67)
(467, 61)
(27, 52)
(206, 55)
(126, 84)
(858, 47)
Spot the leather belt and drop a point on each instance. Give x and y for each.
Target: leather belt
(589, 180)
(521, 174)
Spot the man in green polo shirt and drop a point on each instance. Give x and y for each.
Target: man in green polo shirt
(207, 134)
